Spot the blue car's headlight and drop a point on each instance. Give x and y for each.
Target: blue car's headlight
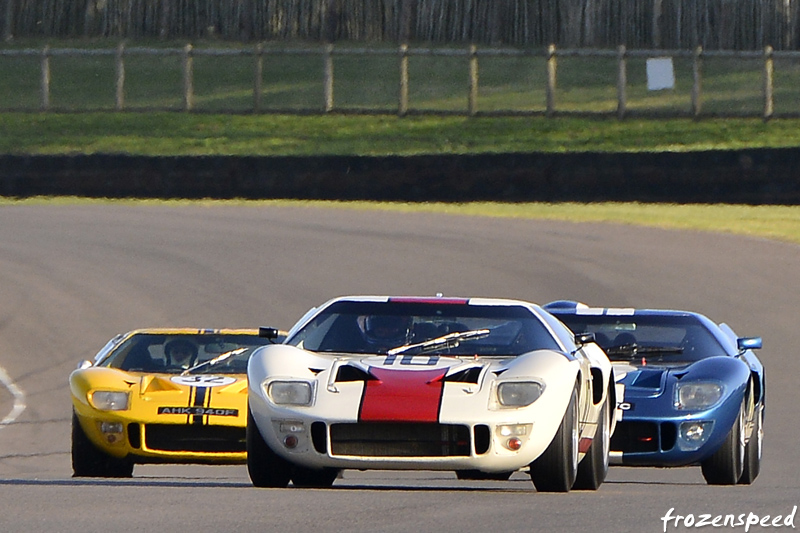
(696, 395)
(518, 393)
(110, 400)
(289, 392)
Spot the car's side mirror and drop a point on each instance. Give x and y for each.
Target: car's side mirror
(84, 364)
(748, 343)
(273, 334)
(584, 338)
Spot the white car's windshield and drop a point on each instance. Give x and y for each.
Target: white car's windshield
(378, 327)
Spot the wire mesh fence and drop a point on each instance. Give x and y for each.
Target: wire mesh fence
(404, 80)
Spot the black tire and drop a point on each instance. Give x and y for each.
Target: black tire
(753, 450)
(265, 467)
(477, 475)
(593, 468)
(725, 467)
(310, 478)
(90, 461)
(556, 468)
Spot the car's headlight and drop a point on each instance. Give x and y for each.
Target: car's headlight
(289, 392)
(518, 393)
(110, 400)
(697, 395)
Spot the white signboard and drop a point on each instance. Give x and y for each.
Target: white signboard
(660, 74)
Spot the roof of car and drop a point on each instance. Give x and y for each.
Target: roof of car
(568, 307)
(195, 331)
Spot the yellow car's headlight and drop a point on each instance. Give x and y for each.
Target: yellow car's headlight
(110, 400)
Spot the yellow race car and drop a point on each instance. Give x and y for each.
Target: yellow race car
(163, 396)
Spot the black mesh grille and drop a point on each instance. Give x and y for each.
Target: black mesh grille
(400, 440)
(194, 438)
(632, 437)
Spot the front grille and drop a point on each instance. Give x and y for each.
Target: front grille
(400, 440)
(194, 438)
(635, 437)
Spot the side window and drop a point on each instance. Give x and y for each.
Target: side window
(314, 333)
(564, 335)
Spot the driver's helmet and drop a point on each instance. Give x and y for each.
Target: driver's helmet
(180, 352)
(387, 330)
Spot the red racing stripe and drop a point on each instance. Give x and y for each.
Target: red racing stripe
(402, 396)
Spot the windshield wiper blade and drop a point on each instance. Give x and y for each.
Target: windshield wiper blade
(451, 340)
(218, 359)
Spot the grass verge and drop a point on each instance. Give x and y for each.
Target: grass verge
(273, 135)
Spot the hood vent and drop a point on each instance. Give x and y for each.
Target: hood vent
(351, 373)
(470, 375)
(648, 379)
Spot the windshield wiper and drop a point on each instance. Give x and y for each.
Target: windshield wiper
(218, 359)
(634, 349)
(451, 340)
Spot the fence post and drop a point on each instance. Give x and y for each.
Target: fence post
(697, 73)
(328, 77)
(550, 90)
(768, 87)
(8, 31)
(120, 80)
(472, 100)
(622, 82)
(188, 78)
(258, 77)
(402, 105)
(44, 90)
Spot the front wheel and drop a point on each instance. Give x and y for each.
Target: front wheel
(556, 468)
(265, 467)
(726, 465)
(593, 468)
(89, 461)
(753, 450)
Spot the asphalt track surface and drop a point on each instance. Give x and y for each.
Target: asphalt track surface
(73, 276)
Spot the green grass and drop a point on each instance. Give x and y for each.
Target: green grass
(781, 223)
(206, 134)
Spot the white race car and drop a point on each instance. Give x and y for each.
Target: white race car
(482, 387)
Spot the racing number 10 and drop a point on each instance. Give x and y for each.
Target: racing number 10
(418, 360)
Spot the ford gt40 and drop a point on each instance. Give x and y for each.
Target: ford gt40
(480, 387)
(162, 396)
(694, 391)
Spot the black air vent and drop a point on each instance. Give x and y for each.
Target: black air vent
(469, 375)
(352, 373)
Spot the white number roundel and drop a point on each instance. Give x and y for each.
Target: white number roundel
(203, 381)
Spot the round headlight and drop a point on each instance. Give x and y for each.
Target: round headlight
(290, 392)
(110, 400)
(518, 393)
(697, 395)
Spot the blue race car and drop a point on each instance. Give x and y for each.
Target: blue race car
(693, 390)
